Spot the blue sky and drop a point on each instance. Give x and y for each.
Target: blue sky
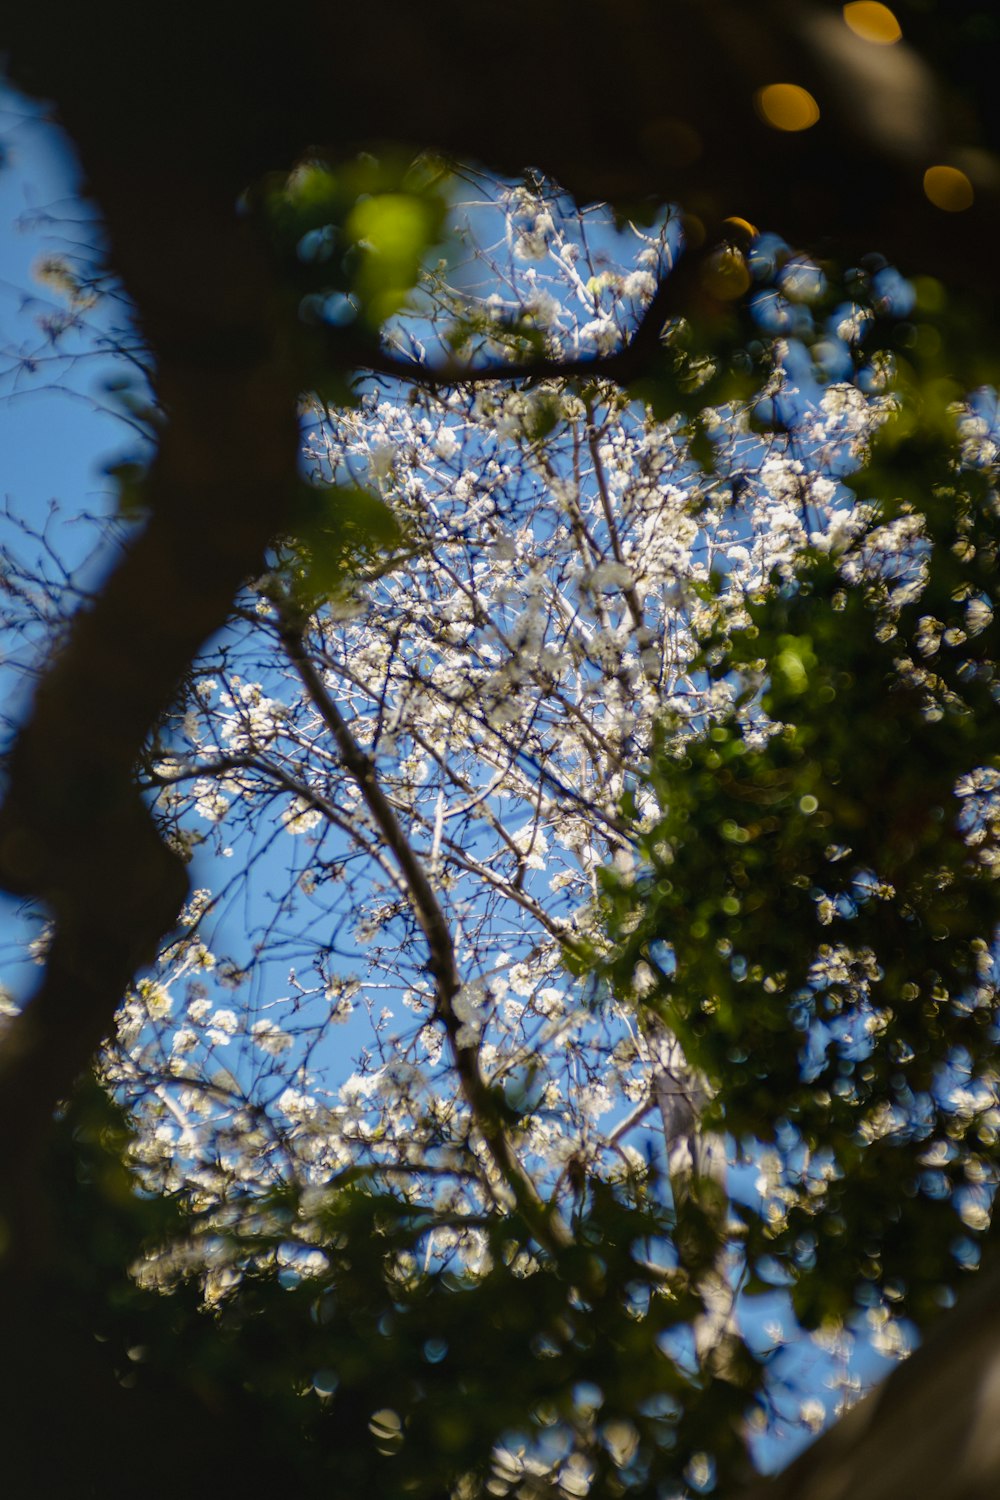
(56, 429)
(56, 433)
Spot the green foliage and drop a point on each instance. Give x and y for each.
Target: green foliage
(352, 237)
(711, 364)
(816, 912)
(412, 1372)
(352, 1352)
(337, 532)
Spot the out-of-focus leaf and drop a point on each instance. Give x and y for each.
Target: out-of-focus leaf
(340, 528)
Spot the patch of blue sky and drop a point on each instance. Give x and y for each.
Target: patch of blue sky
(64, 367)
(64, 361)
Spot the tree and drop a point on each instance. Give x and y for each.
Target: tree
(40, 854)
(549, 593)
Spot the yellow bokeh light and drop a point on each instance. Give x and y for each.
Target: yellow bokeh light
(740, 231)
(948, 188)
(873, 22)
(786, 106)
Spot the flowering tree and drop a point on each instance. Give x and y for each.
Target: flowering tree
(72, 828)
(442, 745)
(444, 751)
(452, 738)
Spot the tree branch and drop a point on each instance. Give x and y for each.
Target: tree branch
(634, 359)
(544, 1219)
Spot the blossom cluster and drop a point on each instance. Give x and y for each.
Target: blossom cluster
(562, 555)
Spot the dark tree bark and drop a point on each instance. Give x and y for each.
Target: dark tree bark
(932, 1428)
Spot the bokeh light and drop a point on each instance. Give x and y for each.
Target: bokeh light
(873, 22)
(948, 188)
(787, 106)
